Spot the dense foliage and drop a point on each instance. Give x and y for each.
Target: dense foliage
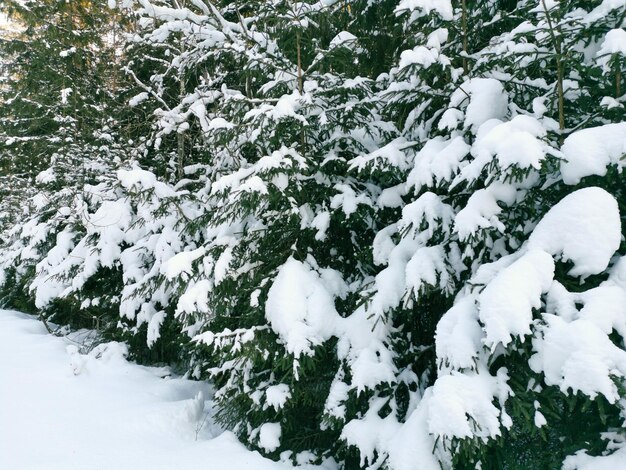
(388, 232)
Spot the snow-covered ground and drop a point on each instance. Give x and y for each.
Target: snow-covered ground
(61, 410)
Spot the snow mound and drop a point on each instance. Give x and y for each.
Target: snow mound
(507, 303)
(458, 336)
(484, 99)
(590, 151)
(300, 308)
(578, 356)
(584, 228)
(98, 401)
(462, 405)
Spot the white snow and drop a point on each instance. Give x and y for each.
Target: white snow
(428, 211)
(462, 405)
(507, 303)
(573, 349)
(61, 410)
(139, 179)
(578, 356)
(427, 266)
(482, 209)
(422, 56)
(269, 436)
(516, 142)
(438, 161)
(442, 7)
(604, 9)
(371, 433)
(181, 263)
(300, 308)
(458, 336)
(539, 418)
(513, 143)
(483, 99)
(412, 446)
(590, 151)
(585, 227)
(393, 154)
(195, 298)
(138, 99)
(614, 44)
(343, 39)
(277, 395)
(583, 461)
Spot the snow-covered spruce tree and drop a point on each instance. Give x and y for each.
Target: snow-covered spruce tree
(91, 249)
(107, 261)
(53, 90)
(58, 133)
(574, 42)
(280, 120)
(579, 42)
(109, 268)
(511, 384)
(301, 220)
(420, 257)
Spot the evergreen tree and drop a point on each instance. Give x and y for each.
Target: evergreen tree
(388, 232)
(58, 134)
(487, 174)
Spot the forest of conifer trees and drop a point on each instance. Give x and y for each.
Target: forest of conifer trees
(390, 233)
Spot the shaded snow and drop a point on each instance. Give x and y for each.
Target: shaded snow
(269, 436)
(69, 411)
(462, 405)
(507, 303)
